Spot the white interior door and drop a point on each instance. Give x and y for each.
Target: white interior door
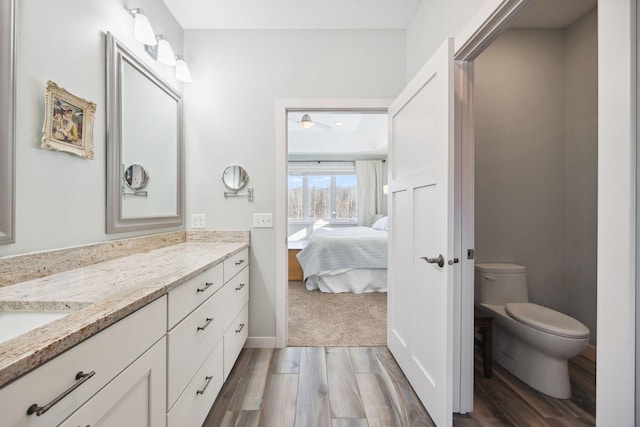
(421, 207)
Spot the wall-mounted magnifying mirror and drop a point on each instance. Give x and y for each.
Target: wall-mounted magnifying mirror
(136, 177)
(235, 177)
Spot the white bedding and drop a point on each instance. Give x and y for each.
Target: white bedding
(345, 260)
(356, 280)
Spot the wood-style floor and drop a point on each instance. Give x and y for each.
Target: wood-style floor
(363, 386)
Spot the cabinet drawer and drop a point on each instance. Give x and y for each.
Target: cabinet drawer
(190, 342)
(186, 297)
(194, 404)
(135, 398)
(235, 263)
(107, 354)
(236, 296)
(234, 339)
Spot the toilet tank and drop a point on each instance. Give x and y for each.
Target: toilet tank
(500, 283)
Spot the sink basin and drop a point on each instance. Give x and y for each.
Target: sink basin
(14, 323)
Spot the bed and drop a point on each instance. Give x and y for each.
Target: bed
(350, 259)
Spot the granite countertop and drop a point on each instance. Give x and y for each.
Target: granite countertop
(102, 294)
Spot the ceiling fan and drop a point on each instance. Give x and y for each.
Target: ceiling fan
(306, 122)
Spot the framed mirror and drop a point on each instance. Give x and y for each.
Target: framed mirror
(7, 120)
(235, 177)
(144, 127)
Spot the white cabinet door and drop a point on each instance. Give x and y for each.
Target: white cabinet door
(135, 398)
(420, 317)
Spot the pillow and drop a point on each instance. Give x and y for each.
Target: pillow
(382, 224)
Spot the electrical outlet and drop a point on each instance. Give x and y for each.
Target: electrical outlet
(262, 220)
(197, 221)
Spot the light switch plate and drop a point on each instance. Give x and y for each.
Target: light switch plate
(262, 220)
(197, 221)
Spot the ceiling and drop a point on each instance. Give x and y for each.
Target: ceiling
(343, 134)
(293, 14)
(553, 13)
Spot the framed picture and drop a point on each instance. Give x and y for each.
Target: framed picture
(68, 122)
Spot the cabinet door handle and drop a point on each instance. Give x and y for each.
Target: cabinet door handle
(81, 378)
(207, 323)
(240, 329)
(240, 287)
(239, 262)
(204, 288)
(209, 378)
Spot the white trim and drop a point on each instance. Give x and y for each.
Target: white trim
(260, 342)
(615, 385)
(488, 24)
(492, 19)
(282, 107)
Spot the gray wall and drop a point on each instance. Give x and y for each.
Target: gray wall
(536, 162)
(60, 198)
(434, 21)
(230, 118)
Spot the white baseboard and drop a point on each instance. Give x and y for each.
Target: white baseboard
(590, 352)
(260, 342)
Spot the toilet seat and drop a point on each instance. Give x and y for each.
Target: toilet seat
(546, 320)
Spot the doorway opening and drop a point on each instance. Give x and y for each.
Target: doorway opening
(319, 143)
(336, 173)
(535, 142)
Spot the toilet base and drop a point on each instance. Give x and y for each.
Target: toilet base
(547, 374)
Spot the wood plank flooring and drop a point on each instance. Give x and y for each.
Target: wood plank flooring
(364, 387)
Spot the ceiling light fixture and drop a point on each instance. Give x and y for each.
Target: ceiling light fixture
(182, 71)
(338, 123)
(142, 30)
(306, 121)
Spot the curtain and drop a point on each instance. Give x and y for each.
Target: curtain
(369, 176)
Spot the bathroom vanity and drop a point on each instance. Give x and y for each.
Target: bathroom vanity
(147, 339)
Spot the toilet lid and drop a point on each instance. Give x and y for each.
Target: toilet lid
(547, 320)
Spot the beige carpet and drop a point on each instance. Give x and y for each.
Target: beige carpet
(322, 319)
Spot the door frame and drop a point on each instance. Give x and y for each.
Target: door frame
(284, 106)
(616, 393)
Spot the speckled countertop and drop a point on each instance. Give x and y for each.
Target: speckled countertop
(102, 294)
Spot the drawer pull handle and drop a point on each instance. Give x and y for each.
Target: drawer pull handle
(240, 287)
(207, 323)
(240, 329)
(239, 262)
(81, 377)
(209, 378)
(206, 285)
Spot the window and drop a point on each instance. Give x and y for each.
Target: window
(327, 196)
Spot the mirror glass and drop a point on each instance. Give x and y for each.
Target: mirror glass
(7, 121)
(144, 119)
(136, 177)
(235, 177)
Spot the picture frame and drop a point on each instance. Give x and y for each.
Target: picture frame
(68, 122)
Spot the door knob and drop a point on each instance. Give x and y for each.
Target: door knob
(439, 260)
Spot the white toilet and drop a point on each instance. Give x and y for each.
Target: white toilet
(529, 340)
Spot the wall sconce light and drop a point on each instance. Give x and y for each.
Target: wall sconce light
(142, 30)
(182, 71)
(162, 51)
(157, 46)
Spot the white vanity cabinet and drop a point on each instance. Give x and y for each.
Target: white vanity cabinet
(199, 351)
(58, 388)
